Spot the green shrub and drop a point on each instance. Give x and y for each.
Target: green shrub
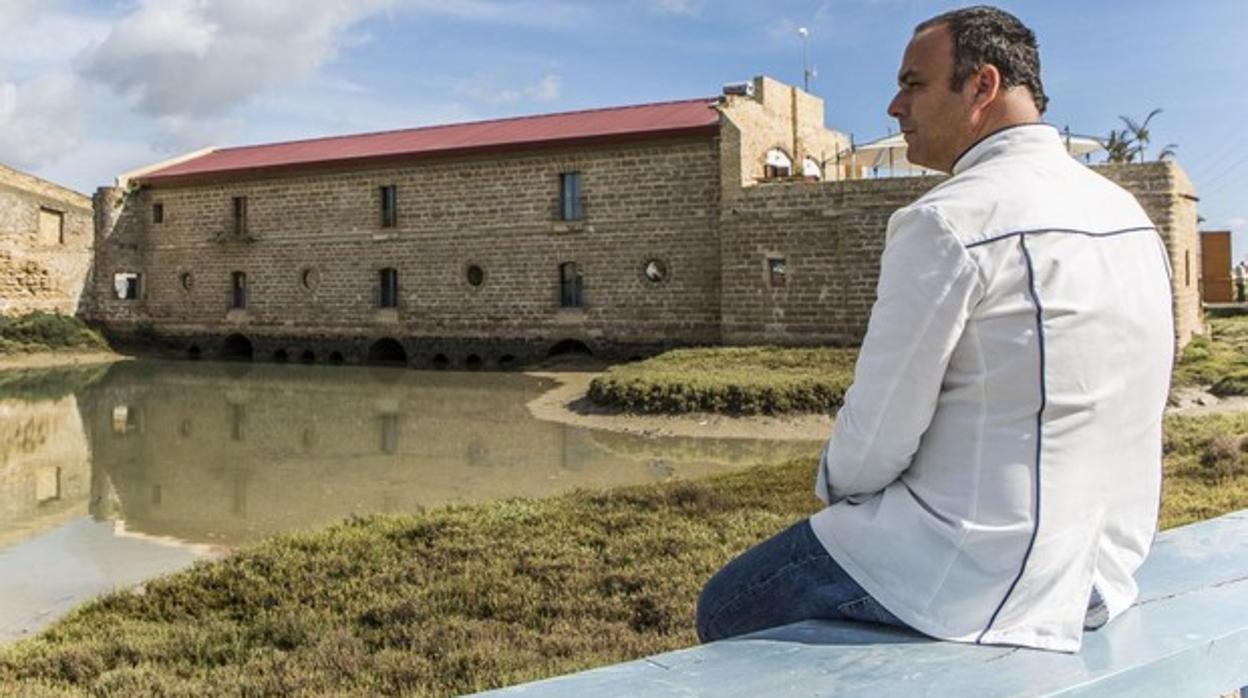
(731, 380)
(39, 331)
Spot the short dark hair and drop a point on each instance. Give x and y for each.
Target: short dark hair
(984, 35)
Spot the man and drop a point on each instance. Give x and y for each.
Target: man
(1240, 274)
(994, 473)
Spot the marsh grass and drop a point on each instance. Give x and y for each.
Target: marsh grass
(731, 380)
(1206, 467)
(1218, 362)
(475, 597)
(39, 331)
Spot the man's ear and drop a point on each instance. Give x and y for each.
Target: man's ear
(985, 86)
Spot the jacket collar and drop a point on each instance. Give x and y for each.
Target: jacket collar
(1037, 136)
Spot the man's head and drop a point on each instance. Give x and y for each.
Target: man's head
(965, 74)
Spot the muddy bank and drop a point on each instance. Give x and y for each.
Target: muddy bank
(57, 359)
(1197, 401)
(567, 404)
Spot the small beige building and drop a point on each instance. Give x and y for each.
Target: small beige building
(46, 237)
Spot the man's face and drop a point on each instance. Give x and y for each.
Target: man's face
(935, 120)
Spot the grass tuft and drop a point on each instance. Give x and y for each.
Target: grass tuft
(731, 380)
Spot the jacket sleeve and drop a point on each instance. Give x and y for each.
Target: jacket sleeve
(927, 289)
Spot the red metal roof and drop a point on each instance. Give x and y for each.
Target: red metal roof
(685, 117)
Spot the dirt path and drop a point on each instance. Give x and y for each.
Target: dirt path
(1197, 402)
(57, 359)
(567, 404)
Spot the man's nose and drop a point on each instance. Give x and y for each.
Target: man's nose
(894, 107)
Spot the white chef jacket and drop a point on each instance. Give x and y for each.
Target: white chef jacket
(999, 451)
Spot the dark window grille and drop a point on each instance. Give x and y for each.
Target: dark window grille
(389, 297)
(240, 216)
(158, 213)
(389, 206)
(571, 286)
(238, 290)
(570, 208)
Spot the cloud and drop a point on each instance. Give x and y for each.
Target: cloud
(195, 58)
(41, 120)
(38, 39)
(529, 13)
(484, 88)
(687, 8)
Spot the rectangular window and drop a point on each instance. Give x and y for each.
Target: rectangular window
(238, 290)
(158, 213)
(777, 272)
(51, 227)
(570, 208)
(571, 286)
(1187, 267)
(389, 297)
(126, 285)
(240, 216)
(389, 206)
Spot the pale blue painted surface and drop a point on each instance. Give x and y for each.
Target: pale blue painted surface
(1186, 636)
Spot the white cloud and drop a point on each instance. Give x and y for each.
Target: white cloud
(41, 120)
(484, 88)
(687, 8)
(39, 39)
(192, 58)
(532, 13)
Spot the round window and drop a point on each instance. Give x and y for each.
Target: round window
(475, 274)
(656, 271)
(187, 281)
(308, 278)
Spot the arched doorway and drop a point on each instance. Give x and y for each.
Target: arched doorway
(572, 347)
(387, 352)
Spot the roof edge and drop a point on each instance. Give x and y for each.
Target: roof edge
(364, 161)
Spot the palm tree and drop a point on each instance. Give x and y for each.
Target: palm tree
(1139, 132)
(1119, 147)
(1167, 151)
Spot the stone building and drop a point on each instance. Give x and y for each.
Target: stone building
(619, 231)
(45, 245)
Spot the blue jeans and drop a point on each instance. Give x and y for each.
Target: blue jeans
(785, 579)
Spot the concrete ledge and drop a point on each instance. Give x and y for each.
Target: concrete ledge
(1186, 636)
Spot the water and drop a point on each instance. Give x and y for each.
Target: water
(110, 475)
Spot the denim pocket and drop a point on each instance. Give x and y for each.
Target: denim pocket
(868, 610)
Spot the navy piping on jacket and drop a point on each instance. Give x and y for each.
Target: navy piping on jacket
(1035, 296)
(1044, 399)
(1068, 231)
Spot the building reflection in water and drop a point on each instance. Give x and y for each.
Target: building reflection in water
(223, 454)
(45, 466)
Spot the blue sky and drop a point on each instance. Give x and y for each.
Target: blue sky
(89, 89)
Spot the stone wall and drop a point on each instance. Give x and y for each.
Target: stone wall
(830, 236)
(1169, 197)
(315, 246)
(45, 245)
